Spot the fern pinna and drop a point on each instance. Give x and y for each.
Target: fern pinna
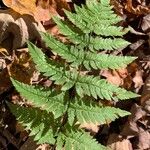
(57, 113)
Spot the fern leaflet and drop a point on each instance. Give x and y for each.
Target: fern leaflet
(40, 123)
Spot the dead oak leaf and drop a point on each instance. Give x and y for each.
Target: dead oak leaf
(41, 10)
(21, 6)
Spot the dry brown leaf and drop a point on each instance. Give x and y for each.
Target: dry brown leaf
(138, 10)
(146, 23)
(29, 144)
(115, 76)
(41, 10)
(5, 82)
(115, 143)
(118, 7)
(131, 128)
(21, 6)
(44, 147)
(90, 127)
(138, 81)
(144, 140)
(22, 68)
(112, 77)
(16, 29)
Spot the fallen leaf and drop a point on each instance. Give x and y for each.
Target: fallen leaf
(138, 81)
(15, 31)
(22, 67)
(115, 76)
(146, 23)
(131, 128)
(29, 144)
(116, 143)
(41, 10)
(90, 127)
(139, 9)
(144, 140)
(43, 147)
(5, 82)
(112, 77)
(21, 6)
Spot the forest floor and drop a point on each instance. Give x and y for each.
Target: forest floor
(128, 133)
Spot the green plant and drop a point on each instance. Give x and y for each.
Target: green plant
(57, 113)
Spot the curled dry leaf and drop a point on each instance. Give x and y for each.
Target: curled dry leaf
(144, 140)
(131, 128)
(138, 126)
(115, 76)
(138, 81)
(146, 23)
(115, 143)
(139, 9)
(16, 29)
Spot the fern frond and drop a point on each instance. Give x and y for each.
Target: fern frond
(107, 30)
(40, 123)
(89, 85)
(88, 112)
(86, 19)
(104, 61)
(50, 69)
(41, 98)
(92, 18)
(73, 34)
(74, 139)
(107, 43)
(96, 43)
(90, 60)
(94, 86)
(56, 112)
(56, 105)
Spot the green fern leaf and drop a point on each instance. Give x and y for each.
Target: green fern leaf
(73, 34)
(89, 85)
(88, 59)
(94, 86)
(88, 112)
(92, 18)
(42, 98)
(107, 43)
(77, 140)
(39, 122)
(106, 30)
(95, 43)
(56, 112)
(49, 68)
(104, 61)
